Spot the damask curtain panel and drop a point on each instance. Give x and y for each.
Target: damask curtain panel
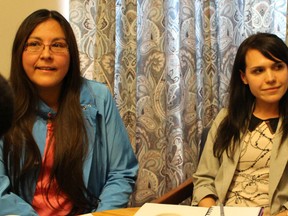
(168, 64)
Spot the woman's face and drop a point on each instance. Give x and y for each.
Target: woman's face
(267, 80)
(46, 66)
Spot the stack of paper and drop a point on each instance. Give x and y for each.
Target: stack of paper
(153, 209)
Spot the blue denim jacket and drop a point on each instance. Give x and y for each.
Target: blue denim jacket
(110, 168)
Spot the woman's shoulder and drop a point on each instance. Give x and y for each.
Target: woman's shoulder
(94, 92)
(221, 114)
(94, 85)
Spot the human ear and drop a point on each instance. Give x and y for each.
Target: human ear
(243, 77)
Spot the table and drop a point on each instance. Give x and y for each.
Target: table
(118, 212)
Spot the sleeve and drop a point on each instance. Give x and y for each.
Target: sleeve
(204, 177)
(123, 165)
(10, 203)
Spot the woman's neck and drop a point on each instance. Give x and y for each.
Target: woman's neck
(51, 98)
(266, 112)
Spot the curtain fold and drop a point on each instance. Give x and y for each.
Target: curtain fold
(168, 64)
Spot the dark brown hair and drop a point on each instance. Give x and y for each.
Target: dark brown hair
(70, 134)
(241, 100)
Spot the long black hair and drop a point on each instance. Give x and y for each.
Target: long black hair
(241, 100)
(70, 134)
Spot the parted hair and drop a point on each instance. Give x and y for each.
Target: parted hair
(69, 131)
(241, 100)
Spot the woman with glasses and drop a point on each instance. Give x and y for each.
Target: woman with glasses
(68, 151)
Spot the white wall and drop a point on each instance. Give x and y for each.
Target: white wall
(12, 14)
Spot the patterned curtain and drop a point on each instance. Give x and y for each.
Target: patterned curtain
(168, 64)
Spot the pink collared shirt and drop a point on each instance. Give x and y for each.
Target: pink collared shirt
(56, 204)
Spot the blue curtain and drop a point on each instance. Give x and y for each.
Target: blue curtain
(168, 64)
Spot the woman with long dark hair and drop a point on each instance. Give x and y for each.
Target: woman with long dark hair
(68, 151)
(244, 161)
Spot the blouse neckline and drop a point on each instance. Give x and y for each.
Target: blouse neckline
(271, 122)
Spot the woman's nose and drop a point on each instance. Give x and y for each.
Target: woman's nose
(46, 52)
(270, 76)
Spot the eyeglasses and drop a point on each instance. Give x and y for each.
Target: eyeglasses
(38, 47)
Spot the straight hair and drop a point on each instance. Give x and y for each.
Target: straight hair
(241, 100)
(21, 153)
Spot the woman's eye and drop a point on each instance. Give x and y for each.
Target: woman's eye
(278, 66)
(257, 71)
(59, 45)
(34, 43)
